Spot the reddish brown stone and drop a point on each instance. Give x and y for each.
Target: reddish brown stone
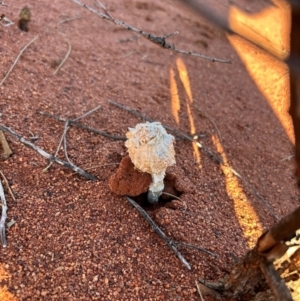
(128, 180)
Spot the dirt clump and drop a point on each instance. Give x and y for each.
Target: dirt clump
(128, 180)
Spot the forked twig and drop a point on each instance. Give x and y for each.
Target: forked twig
(158, 231)
(63, 138)
(158, 40)
(47, 155)
(16, 60)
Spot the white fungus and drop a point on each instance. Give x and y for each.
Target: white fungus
(151, 150)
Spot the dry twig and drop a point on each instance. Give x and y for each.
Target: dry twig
(157, 230)
(211, 121)
(7, 184)
(79, 125)
(158, 40)
(198, 289)
(65, 58)
(69, 20)
(176, 197)
(3, 217)
(4, 4)
(196, 248)
(16, 60)
(47, 155)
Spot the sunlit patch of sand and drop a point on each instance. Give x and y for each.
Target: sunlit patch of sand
(184, 77)
(245, 213)
(5, 295)
(175, 101)
(269, 29)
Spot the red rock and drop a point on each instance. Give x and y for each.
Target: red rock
(128, 180)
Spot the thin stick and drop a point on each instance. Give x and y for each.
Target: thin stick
(47, 155)
(4, 4)
(13, 65)
(158, 40)
(287, 158)
(87, 113)
(211, 121)
(176, 197)
(157, 230)
(196, 248)
(64, 135)
(65, 58)
(254, 191)
(3, 217)
(82, 126)
(210, 153)
(199, 291)
(68, 20)
(8, 187)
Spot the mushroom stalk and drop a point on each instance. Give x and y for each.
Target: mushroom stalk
(156, 187)
(151, 150)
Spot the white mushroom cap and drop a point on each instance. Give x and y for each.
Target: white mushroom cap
(150, 147)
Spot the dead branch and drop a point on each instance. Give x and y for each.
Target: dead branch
(206, 150)
(3, 217)
(16, 60)
(47, 155)
(270, 242)
(274, 281)
(7, 152)
(157, 40)
(4, 4)
(256, 269)
(158, 231)
(82, 126)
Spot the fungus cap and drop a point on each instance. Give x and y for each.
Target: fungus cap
(150, 147)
